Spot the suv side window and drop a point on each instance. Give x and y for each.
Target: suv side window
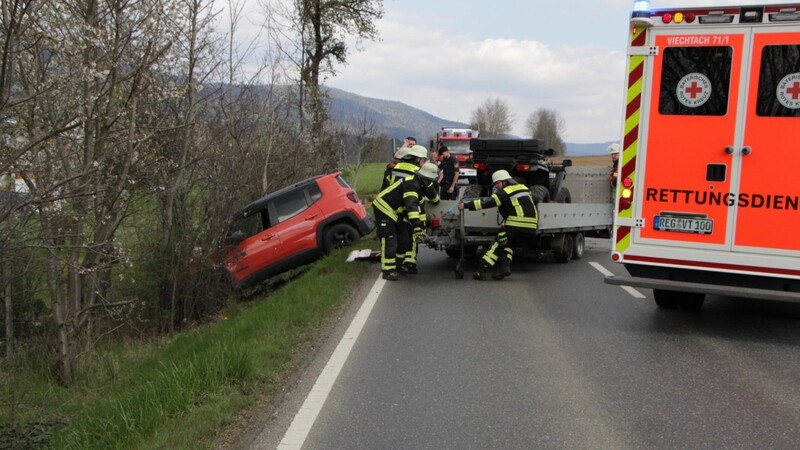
(314, 192)
(289, 205)
(248, 226)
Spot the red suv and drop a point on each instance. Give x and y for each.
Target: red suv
(291, 227)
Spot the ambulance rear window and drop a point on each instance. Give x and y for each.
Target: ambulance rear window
(779, 82)
(695, 81)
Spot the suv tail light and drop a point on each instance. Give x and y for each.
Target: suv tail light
(523, 167)
(352, 196)
(479, 166)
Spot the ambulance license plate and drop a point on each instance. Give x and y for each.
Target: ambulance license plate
(683, 224)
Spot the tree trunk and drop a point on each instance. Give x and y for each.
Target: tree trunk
(6, 276)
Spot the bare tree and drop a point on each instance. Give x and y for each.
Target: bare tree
(549, 126)
(493, 118)
(317, 41)
(86, 84)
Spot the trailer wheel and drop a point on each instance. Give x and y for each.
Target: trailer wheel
(578, 245)
(665, 299)
(562, 247)
(459, 271)
(691, 301)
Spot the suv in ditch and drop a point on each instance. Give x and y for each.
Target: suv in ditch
(292, 227)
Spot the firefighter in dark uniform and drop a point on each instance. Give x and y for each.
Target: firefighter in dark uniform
(410, 160)
(520, 220)
(398, 203)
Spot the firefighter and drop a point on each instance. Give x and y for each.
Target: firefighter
(520, 219)
(410, 161)
(395, 204)
(613, 150)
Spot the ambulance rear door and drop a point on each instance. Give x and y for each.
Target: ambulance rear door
(691, 137)
(768, 209)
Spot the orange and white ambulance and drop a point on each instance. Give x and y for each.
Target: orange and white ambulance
(708, 200)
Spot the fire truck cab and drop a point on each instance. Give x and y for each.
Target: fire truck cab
(708, 200)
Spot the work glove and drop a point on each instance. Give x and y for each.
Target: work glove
(419, 234)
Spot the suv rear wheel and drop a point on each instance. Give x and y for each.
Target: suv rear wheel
(339, 235)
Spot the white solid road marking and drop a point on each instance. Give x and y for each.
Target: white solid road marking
(634, 293)
(301, 425)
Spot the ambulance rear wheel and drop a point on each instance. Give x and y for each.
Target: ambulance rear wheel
(691, 301)
(666, 299)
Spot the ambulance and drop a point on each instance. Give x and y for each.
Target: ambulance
(708, 198)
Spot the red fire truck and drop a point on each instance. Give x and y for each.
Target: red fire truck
(457, 141)
(708, 200)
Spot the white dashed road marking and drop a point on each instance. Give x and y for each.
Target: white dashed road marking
(634, 293)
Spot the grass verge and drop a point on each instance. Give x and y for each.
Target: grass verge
(186, 391)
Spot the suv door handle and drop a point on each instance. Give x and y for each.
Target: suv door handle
(311, 216)
(267, 237)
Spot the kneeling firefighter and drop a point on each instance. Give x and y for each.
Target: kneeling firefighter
(520, 220)
(398, 202)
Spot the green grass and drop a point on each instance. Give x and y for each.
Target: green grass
(185, 391)
(367, 182)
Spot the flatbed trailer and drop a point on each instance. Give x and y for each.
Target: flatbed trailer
(562, 229)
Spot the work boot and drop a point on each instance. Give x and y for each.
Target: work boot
(391, 275)
(482, 273)
(402, 270)
(410, 269)
(503, 270)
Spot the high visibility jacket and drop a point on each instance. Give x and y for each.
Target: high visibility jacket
(397, 171)
(402, 199)
(403, 169)
(515, 204)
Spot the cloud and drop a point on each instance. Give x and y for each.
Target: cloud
(450, 76)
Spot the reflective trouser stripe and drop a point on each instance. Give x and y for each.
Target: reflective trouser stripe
(498, 252)
(389, 253)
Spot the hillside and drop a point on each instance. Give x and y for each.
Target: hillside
(399, 120)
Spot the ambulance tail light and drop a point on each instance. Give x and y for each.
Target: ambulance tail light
(523, 167)
(479, 166)
(626, 195)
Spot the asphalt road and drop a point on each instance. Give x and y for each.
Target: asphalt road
(554, 358)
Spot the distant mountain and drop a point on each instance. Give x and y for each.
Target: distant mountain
(399, 120)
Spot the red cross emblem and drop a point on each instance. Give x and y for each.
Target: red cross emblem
(794, 91)
(694, 90)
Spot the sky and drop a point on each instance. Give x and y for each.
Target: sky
(448, 57)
